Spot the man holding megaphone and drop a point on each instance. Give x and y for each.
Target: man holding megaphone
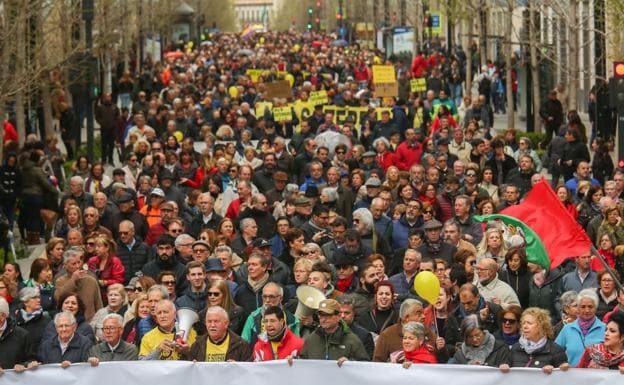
(164, 342)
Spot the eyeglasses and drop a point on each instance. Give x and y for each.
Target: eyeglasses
(428, 211)
(309, 252)
(177, 231)
(168, 283)
(270, 296)
(124, 232)
(510, 321)
(90, 243)
(340, 152)
(89, 215)
(470, 174)
(110, 328)
(214, 294)
(199, 251)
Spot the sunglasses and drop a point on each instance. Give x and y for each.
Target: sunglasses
(470, 174)
(168, 283)
(510, 321)
(340, 152)
(428, 212)
(138, 289)
(213, 294)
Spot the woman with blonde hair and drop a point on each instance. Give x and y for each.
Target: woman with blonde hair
(117, 304)
(106, 266)
(536, 347)
(140, 310)
(492, 246)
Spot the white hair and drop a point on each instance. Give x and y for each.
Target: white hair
(65, 314)
(365, 216)
(217, 310)
(588, 294)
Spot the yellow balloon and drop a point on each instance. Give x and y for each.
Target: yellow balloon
(233, 91)
(427, 286)
(179, 136)
(262, 40)
(290, 79)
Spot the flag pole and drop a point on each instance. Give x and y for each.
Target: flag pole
(618, 284)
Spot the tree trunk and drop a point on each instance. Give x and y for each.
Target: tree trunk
(20, 68)
(482, 12)
(573, 44)
(46, 100)
(511, 121)
(469, 59)
(537, 123)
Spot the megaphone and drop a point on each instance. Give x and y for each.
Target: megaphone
(186, 319)
(309, 299)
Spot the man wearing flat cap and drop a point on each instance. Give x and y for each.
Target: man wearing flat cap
(333, 340)
(434, 246)
(128, 212)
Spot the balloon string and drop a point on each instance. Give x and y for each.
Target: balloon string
(435, 321)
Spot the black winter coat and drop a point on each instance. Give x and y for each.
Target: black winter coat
(550, 354)
(15, 346)
(500, 355)
(519, 282)
(35, 327)
(133, 260)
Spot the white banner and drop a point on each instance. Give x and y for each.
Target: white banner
(302, 372)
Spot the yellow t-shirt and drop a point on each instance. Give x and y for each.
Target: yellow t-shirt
(274, 346)
(217, 353)
(152, 339)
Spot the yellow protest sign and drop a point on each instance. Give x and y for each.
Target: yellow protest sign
(319, 97)
(418, 85)
(282, 114)
(254, 74)
(383, 74)
(262, 107)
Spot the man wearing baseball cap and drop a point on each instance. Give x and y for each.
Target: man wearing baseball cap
(333, 340)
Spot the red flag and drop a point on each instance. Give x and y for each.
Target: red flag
(542, 211)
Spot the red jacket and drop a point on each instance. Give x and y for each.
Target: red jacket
(154, 233)
(290, 344)
(113, 272)
(386, 160)
(419, 66)
(407, 155)
(10, 133)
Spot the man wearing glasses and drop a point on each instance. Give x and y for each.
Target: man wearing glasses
(132, 252)
(112, 348)
(272, 295)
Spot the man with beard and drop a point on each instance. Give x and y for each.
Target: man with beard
(259, 211)
(447, 197)
(353, 249)
(254, 329)
(263, 177)
(166, 261)
(412, 219)
(316, 229)
(279, 341)
(363, 296)
(434, 247)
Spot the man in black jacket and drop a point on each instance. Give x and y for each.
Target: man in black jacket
(207, 217)
(552, 113)
(131, 250)
(347, 314)
(128, 212)
(16, 350)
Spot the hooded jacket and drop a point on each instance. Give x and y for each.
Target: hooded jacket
(15, 346)
(290, 344)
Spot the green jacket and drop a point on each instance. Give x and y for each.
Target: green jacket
(253, 326)
(341, 343)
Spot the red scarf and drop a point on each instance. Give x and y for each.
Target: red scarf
(343, 284)
(420, 356)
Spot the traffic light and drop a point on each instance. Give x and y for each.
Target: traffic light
(317, 20)
(318, 4)
(616, 87)
(310, 11)
(309, 26)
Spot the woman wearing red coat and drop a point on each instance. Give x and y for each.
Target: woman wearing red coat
(277, 342)
(385, 158)
(107, 268)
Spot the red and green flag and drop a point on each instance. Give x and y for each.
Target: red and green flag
(553, 228)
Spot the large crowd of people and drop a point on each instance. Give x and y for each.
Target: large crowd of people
(217, 207)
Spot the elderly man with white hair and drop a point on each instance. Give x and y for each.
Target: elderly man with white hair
(219, 344)
(68, 346)
(364, 223)
(16, 349)
(112, 348)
